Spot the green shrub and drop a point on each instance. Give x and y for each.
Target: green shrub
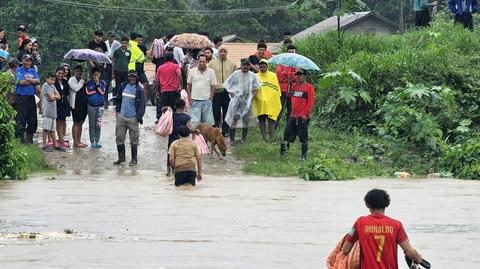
(12, 161)
(321, 168)
(462, 160)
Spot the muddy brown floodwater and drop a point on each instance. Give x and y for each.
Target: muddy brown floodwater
(152, 152)
(127, 218)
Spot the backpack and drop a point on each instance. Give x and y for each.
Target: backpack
(158, 49)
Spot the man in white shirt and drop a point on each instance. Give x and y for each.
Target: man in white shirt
(218, 41)
(201, 84)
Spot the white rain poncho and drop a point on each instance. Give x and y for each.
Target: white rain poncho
(240, 86)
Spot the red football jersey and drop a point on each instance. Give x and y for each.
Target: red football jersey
(303, 98)
(379, 237)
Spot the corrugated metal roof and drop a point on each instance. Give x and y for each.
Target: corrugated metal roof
(331, 23)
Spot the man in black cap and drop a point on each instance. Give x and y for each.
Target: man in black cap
(22, 34)
(302, 96)
(130, 110)
(26, 119)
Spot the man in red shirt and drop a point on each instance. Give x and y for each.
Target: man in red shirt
(302, 96)
(285, 75)
(379, 235)
(169, 77)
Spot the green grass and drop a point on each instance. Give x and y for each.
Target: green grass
(355, 155)
(35, 161)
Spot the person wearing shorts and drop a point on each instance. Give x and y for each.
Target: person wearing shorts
(49, 111)
(201, 84)
(78, 103)
(184, 154)
(302, 96)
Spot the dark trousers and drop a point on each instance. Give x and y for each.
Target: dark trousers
(296, 127)
(422, 18)
(167, 99)
(286, 102)
(185, 177)
(26, 118)
(107, 77)
(120, 78)
(466, 20)
(220, 103)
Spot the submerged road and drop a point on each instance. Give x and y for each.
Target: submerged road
(124, 218)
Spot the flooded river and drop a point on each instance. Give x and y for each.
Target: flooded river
(138, 219)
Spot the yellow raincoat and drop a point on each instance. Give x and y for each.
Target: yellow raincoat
(267, 102)
(136, 56)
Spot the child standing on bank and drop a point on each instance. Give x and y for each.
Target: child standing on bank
(302, 96)
(96, 89)
(49, 99)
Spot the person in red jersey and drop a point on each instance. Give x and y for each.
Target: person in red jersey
(379, 235)
(302, 98)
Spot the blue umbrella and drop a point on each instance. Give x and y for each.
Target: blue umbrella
(87, 55)
(294, 60)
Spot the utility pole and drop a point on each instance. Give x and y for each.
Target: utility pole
(401, 21)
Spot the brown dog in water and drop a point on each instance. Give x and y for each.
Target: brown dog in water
(215, 137)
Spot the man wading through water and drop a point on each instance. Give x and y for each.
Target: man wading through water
(130, 110)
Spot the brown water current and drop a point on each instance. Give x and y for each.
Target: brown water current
(139, 219)
(95, 215)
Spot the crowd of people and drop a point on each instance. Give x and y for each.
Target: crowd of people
(199, 85)
(217, 93)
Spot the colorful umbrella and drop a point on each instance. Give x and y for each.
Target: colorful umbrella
(191, 41)
(294, 60)
(87, 55)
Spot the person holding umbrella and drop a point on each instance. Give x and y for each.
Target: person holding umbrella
(303, 95)
(285, 75)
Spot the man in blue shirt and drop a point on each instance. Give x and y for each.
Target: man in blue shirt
(130, 110)
(26, 81)
(463, 10)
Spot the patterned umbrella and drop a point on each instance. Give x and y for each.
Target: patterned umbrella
(87, 55)
(191, 41)
(294, 60)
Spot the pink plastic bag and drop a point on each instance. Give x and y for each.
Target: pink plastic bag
(201, 144)
(184, 96)
(165, 124)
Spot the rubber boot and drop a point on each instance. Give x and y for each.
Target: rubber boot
(121, 154)
(134, 155)
(169, 167)
(29, 138)
(244, 135)
(303, 157)
(232, 136)
(283, 150)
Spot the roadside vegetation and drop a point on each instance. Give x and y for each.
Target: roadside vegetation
(16, 160)
(386, 104)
